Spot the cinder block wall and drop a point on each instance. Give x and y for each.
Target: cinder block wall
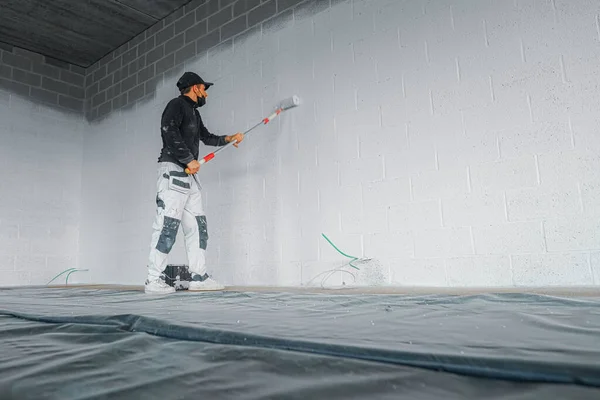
(454, 141)
(42, 122)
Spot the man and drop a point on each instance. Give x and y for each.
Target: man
(179, 200)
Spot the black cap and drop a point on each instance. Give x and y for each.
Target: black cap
(190, 79)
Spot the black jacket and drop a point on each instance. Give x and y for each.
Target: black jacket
(181, 131)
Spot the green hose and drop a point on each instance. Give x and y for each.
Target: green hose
(70, 271)
(342, 253)
(67, 270)
(69, 274)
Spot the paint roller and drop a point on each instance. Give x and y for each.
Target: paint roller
(285, 105)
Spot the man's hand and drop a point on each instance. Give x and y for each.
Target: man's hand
(238, 137)
(193, 167)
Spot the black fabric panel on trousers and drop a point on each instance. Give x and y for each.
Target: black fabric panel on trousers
(168, 235)
(203, 231)
(178, 174)
(181, 183)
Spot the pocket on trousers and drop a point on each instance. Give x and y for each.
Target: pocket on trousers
(202, 230)
(179, 182)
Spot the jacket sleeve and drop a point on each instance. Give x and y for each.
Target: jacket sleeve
(170, 123)
(208, 138)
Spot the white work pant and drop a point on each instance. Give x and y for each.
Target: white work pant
(178, 202)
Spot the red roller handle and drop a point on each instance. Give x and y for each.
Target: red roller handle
(207, 158)
(203, 160)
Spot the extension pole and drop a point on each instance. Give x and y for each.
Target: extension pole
(285, 105)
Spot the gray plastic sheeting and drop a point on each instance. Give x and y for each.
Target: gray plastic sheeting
(98, 343)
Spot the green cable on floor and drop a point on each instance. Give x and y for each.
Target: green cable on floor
(342, 253)
(67, 270)
(69, 274)
(70, 271)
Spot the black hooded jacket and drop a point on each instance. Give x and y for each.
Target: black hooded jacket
(181, 130)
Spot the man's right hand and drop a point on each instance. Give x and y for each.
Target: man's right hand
(193, 167)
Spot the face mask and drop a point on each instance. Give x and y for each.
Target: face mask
(200, 101)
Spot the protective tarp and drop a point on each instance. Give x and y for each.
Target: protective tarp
(84, 343)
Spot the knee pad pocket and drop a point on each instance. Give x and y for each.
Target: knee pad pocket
(202, 231)
(168, 235)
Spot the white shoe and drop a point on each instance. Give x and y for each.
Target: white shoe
(200, 283)
(158, 286)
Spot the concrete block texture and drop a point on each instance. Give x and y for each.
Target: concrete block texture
(509, 238)
(544, 201)
(443, 242)
(572, 233)
(455, 141)
(473, 209)
(595, 267)
(40, 213)
(499, 176)
(479, 271)
(41, 79)
(552, 270)
(427, 272)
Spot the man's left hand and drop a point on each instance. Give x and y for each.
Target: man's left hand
(238, 137)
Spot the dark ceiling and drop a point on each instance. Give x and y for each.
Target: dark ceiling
(79, 32)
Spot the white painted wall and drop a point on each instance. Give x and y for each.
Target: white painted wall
(455, 141)
(40, 192)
